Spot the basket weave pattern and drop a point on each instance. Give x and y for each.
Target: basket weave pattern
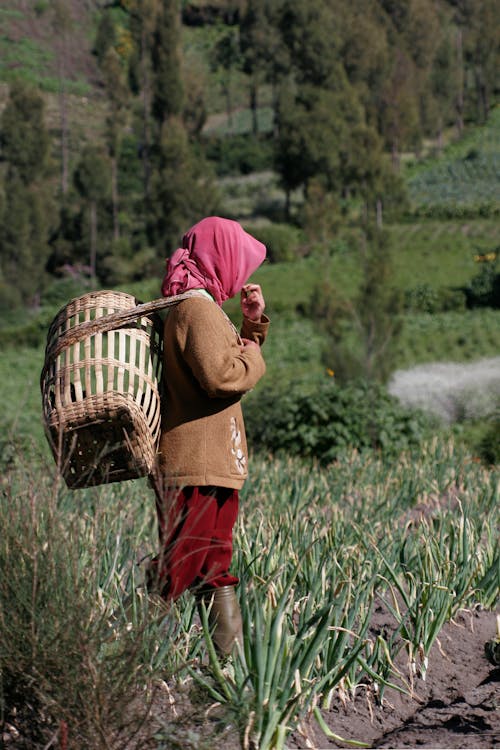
(101, 403)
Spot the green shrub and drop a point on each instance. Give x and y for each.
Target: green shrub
(239, 154)
(326, 420)
(32, 333)
(282, 241)
(61, 291)
(484, 288)
(489, 445)
(425, 298)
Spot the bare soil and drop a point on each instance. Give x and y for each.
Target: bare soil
(457, 706)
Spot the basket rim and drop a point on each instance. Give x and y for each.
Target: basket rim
(113, 321)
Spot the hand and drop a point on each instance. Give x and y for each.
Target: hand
(252, 302)
(248, 344)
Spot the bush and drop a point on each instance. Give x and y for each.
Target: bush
(240, 154)
(489, 446)
(33, 333)
(324, 421)
(282, 241)
(424, 298)
(484, 288)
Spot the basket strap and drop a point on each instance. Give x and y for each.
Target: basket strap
(120, 319)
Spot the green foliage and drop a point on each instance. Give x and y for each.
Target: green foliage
(123, 264)
(239, 154)
(488, 447)
(361, 332)
(312, 135)
(322, 420)
(484, 288)
(281, 240)
(424, 298)
(167, 84)
(24, 138)
(105, 36)
(72, 647)
(92, 176)
(181, 191)
(25, 209)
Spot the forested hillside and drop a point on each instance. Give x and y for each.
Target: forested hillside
(120, 119)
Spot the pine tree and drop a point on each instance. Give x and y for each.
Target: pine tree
(182, 189)
(62, 25)
(27, 209)
(117, 95)
(24, 138)
(143, 21)
(167, 84)
(92, 182)
(362, 333)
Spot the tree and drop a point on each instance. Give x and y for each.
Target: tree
(27, 209)
(264, 57)
(226, 58)
(182, 191)
(482, 50)
(62, 25)
(444, 96)
(367, 173)
(314, 126)
(310, 33)
(92, 182)
(362, 332)
(143, 20)
(24, 138)
(478, 52)
(105, 37)
(117, 96)
(167, 84)
(365, 51)
(398, 108)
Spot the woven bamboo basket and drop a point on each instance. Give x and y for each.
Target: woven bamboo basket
(100, 387)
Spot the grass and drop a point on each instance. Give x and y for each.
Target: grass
(314, 549)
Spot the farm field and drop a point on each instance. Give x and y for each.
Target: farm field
(348, 576)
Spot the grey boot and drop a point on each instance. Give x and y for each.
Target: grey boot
(224, 617)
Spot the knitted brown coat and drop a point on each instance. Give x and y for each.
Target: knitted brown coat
(205, 375)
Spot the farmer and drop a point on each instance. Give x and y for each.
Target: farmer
(202, 460)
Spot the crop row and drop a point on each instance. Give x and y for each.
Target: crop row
(316, 551)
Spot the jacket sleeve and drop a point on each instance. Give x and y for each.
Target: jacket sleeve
(255, 331)
(209, 346)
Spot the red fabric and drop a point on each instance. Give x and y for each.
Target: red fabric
(196, 537)
(216, 255)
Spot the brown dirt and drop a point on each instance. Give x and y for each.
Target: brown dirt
(457, 706)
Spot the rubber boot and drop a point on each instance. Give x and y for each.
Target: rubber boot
(224, 617)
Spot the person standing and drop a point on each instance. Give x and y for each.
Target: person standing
(203, 461)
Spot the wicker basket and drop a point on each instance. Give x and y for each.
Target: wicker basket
(101, 403)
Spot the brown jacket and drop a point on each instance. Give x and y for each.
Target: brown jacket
(205, 375)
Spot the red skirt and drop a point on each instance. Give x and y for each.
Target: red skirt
(195, 526)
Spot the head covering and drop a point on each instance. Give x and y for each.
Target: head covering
(216, 255)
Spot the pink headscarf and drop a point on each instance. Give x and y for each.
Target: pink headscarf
(216, 255)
